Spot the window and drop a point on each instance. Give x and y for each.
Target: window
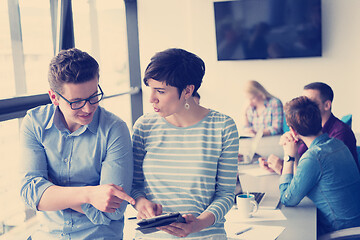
(100, 30)
(34, 45)
(6, 60)
(37, 43)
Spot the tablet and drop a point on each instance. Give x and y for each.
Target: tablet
(149, 225)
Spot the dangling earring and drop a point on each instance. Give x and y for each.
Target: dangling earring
(187, 106)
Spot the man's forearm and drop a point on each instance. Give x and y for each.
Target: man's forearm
(57, 198)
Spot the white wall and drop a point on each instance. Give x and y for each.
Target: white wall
(190, 24)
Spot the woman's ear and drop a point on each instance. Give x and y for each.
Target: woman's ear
(53, 97)
(189, 91)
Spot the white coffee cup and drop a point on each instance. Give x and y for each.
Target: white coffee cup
(246, 205)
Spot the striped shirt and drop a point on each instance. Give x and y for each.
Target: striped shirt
(187, 169)
(271, 118)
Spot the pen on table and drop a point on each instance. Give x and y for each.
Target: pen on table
(131, 218)
(243, 231)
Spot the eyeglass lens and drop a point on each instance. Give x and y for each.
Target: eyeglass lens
(95, 99)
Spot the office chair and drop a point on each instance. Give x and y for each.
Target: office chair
(347, 119)
(343, 234)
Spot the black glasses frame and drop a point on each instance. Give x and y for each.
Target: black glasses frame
(101, 94)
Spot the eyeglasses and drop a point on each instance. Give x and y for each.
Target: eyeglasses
(81, 103)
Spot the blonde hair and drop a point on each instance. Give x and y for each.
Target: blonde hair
(255, 88)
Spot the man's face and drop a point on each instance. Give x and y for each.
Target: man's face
(314, 95)
(74, 119)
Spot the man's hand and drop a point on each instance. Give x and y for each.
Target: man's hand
(146, 208)
(289, 143)
(108, 197)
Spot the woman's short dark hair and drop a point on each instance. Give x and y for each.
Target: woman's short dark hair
(176, 67)
(303, 115)
(71, 66)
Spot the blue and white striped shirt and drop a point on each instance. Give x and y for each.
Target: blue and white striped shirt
(187, 169)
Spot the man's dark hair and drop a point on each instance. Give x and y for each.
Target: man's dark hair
(303, 115)
(176, 67)
(326, 93)
(71, 66)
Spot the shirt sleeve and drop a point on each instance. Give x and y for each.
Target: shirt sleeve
(294, 188)
(226, 173)
(33, 164)
(117, 168)
(277, 116)
(138, 154)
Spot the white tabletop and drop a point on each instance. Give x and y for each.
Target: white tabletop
(301, 220)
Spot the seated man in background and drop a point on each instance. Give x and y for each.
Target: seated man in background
(323, 95)
(326, 173)
(76, 162)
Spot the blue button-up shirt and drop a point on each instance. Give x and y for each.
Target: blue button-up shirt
(98, 153)
(328, 175)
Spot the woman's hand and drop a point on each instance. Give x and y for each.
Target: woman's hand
(193, 224)
(183, 229)
(146, 208)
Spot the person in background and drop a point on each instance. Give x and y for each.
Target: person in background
(76, 163)
(326, 173)
(264, 111)
(197, 97)
(323, 95)
(185, 155)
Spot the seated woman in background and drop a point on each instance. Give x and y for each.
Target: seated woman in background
(185, 154)
(264, 111)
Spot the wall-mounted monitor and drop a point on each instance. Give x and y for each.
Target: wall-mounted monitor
(268, 29)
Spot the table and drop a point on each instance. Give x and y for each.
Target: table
(301, 220)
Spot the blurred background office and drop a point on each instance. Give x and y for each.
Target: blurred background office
(117, 32)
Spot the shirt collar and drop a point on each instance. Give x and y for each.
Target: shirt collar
(329, 123)
(93, 126)
(322, 138)
(56, 120)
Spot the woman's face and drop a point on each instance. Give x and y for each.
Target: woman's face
(165, 98)
(254, 99)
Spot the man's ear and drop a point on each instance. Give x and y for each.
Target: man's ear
(53, 97)
(327, 105)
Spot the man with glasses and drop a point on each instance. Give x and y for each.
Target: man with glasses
(77, 164)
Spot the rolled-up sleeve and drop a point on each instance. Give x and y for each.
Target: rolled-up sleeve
(33, 165)
(294, 188)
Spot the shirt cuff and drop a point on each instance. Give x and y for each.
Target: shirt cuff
(286, 178)
(95, 215)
